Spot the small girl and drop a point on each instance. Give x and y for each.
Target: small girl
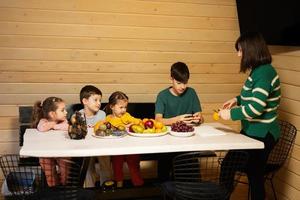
(116, 109)
(51, 115)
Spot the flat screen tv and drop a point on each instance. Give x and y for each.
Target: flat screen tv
(277, 20)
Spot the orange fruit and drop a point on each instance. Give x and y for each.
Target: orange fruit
(145, 119)
(158, 125)
(216, 116)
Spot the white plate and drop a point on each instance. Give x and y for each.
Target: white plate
(182, 134)
(147, 134)
(108, 137)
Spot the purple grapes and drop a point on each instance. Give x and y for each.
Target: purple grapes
(181, 127)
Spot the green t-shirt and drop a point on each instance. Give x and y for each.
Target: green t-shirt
(170, 105)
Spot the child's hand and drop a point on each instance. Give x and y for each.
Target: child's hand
(128, 125)
(186, 118)
(197, 118)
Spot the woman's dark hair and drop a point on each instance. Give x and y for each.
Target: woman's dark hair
(42, 109)
(113, 100)
(180, 72)
(254, 49)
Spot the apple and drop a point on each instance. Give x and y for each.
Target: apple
(148, 124)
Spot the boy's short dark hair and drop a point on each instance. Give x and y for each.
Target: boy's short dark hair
(88, 91)
(180, 72)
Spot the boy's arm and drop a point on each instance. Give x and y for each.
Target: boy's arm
(169, 121)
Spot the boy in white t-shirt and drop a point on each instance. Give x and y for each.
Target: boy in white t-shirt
(90, 98)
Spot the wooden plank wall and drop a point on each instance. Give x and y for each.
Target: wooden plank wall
(56, 47)
(287, 63)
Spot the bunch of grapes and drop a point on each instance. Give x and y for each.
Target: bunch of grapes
(181, 127)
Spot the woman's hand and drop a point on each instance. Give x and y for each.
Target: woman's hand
(225, 114)
(230, 103)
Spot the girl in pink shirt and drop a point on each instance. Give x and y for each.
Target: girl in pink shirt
(51, 115)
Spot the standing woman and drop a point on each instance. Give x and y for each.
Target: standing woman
(256, 106)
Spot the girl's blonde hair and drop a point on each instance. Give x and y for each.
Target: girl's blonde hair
(113, 100)
(42, 109)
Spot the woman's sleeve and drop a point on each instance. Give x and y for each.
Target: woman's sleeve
(257, 103)
(238, 98)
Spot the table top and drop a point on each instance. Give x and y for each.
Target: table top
(208, 136)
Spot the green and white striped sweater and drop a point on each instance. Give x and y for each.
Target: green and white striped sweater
(258, 103)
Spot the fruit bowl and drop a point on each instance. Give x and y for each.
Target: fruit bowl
(182, 134)
(181, 129)
(114, 134)
(148, 134)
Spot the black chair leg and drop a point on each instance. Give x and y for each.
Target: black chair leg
(273, 189)
(249, 194)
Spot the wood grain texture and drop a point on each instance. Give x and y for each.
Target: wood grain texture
(56, 47)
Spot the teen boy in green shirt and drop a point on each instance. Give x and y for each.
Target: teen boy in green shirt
(178, 102)
(173, 104)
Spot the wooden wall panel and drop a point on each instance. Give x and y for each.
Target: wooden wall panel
(93, 18)
(111, 78)
(285, 190)
(100, 67)
(116, 31)
(206, 8)
(29, 99)
(83, 43)
(287, 60)
(56, 47)
(9, 136)
(69, 88)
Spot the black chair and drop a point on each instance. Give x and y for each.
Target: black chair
(280, 152)
(21, 182)
(72, 188)
(198, 177)
(29, 182)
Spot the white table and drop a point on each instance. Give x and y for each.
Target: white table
(209, 136)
